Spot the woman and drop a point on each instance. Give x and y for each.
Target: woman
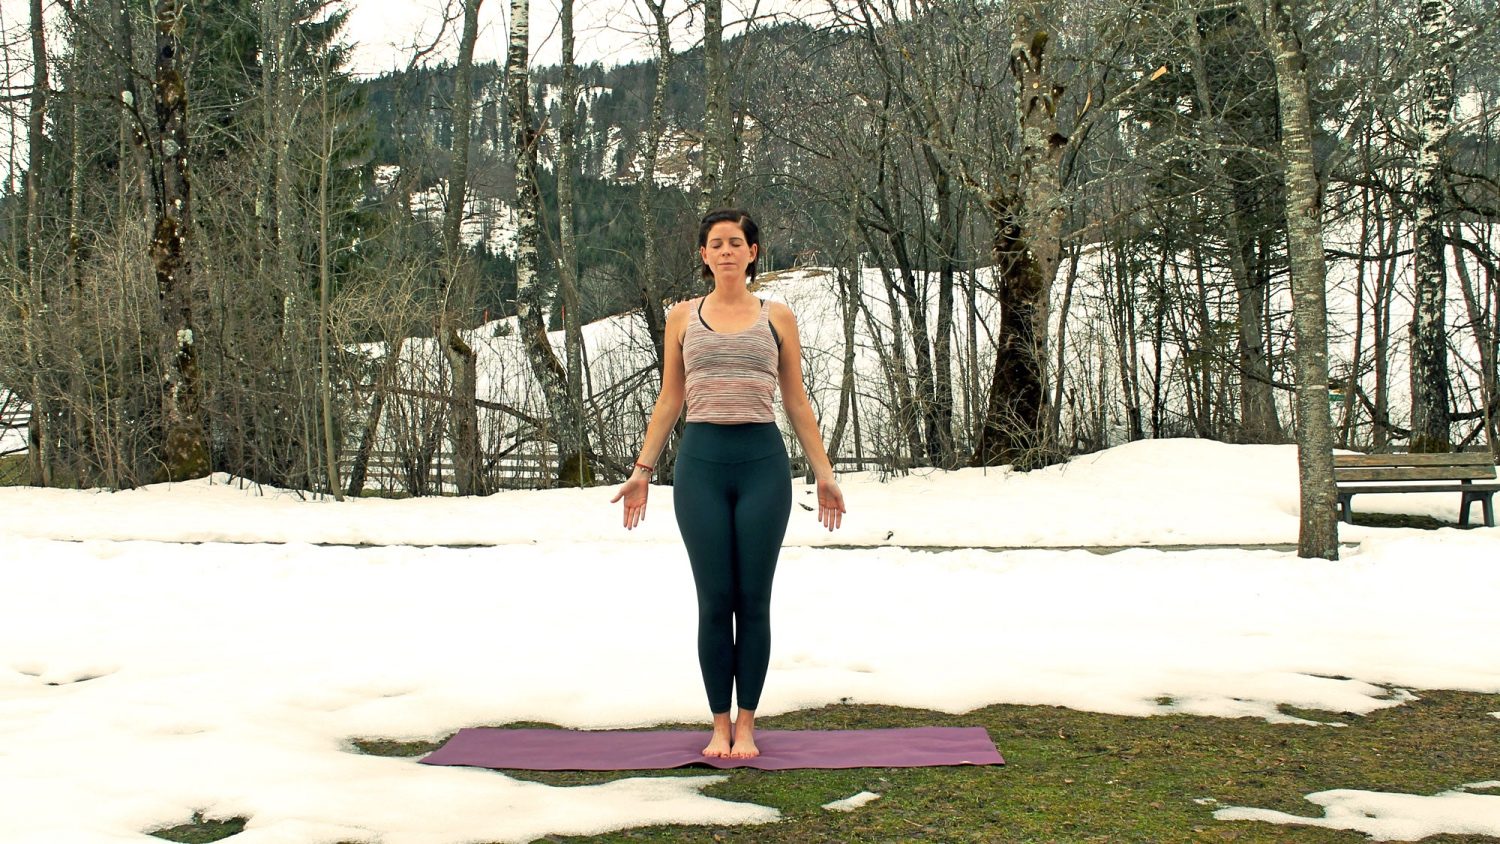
(725, 353)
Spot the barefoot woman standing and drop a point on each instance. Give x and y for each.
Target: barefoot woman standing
(725, 355)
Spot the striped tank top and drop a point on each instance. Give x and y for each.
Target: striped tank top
(731, 378)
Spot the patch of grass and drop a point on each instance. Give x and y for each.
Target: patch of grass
(201, 829)
(15, 470)
(1402, 520)
(1322, 716)
(1084, 777)
(387, 747)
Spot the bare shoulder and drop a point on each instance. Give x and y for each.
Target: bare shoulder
(679, 311)
(781, 315)
(677, 319)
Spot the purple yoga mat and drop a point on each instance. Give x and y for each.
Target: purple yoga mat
(613, 750)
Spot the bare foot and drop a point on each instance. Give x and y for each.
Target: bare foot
(719, 745)
(744, 736)
(744, 744)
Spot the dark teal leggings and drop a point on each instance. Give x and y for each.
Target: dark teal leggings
(732, 491)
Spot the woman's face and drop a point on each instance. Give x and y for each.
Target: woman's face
(726, 252)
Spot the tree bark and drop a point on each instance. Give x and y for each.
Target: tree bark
(1258, 422)
(325, 289)
(651, 297)
(1027, 245)
(531, 293)
(1430, 425)
(1318, 532)
(575, 470)
(468, 457)
(185, 446)
(34, 314)
(715, 119)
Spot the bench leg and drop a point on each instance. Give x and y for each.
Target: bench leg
(1487, 504)
(1346, 509)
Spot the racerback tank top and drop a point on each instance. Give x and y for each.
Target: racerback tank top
(731, 377)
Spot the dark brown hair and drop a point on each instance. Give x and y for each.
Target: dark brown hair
(739, 218)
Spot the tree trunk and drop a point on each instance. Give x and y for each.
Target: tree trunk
(34, 314)
(925, 402)
(651, 297)
(1027, 246)
(388, 370)
(850, 291)
(940, 432)
(1481, 324)
(1258, 422)
(468, 457)
(1430, 424)
(893, 359)
(531, 293)
(715, 120)
(185, 446)
(1318, 533)
(1054, 418)
(1385, 288)
(576, 470)
(325, 288)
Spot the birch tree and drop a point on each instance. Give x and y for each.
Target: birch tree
(1431, 428)
(531, 292)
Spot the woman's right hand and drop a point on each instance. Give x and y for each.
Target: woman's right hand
(634, 492)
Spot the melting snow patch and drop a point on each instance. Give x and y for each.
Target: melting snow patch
(849, 804)
(1391, 817)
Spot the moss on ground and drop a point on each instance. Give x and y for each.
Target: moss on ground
(201, 830)
(15, 470)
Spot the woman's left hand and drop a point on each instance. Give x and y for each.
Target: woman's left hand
(830, 503)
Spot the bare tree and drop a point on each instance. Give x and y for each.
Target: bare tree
(34, 312)
(574, 467)
(531, 292)
(716, 139)
(468, 459)
(185, 441)
(651, 297)
(1318, 532)
(1431, 428)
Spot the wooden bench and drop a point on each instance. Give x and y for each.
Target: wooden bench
(1354, 474)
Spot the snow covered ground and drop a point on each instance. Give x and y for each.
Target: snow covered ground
(191, 648)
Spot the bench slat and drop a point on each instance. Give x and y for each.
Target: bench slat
(1374, 489)
(1463, 458)
(1414, 473)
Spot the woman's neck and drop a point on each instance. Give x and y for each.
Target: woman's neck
(730, 292)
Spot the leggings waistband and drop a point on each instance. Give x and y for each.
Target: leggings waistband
(718, 443)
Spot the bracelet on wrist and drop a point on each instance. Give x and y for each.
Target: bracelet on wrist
(640, 465)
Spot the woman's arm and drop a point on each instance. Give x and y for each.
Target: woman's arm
(663, 418)
(800, 413)
(673, 379)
